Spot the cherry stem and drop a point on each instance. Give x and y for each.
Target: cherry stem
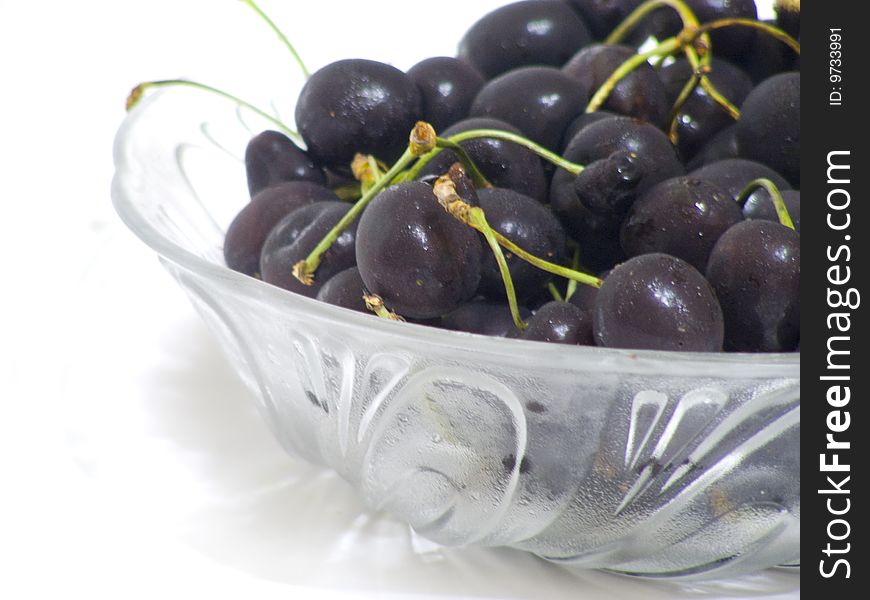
(631, 21)
(477, 219)
(685, 93)
(304, 270)
(667, 47)
(138, 91)
(348, 192)
(554, 291)
(702, 64)
(474, 217)
(507, 136)
(281, 36)
(575, 264)
(775, 196)
(771, 30)
(447, 196)
(477, 177)
(376, 304)
(421, 141)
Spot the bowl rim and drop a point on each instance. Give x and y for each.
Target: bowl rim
(720, 364)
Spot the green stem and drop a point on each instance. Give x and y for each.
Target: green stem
(376, 304)
(673, 118)
(631, 21)
(554, 292)
(281, 36)
(507, 136)
(477, 219)
(572, 283)
(701, 64)
(667, 47)
(304, 270)
(544, 265)
(775, 195)
(479, 179)
(772, 31)
(140, 89)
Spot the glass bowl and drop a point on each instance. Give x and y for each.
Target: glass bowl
(655, 464)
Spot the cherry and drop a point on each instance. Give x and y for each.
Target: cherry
(759, 206)
(271, 157)
(345, 289)
(530, 225)
(250, 227)
(296, 235)
(448, 87)
(639, 94)
(357, 106)
(602, 16)
(539, 101)
(560, 323)
(657, 302)
(769, 129)
(421, 261)
(683, 217)
(755, 271)
(530, 32)
(734, 174)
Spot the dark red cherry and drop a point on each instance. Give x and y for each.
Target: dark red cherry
(271, 157)
(296, 236)
(755, 271)
(532, 227)
(357, 105)
(250, 227)
(760, 206)
(539, 101)
(448, 87)
(560, 323)
(769, 129)
(529, 32)
(657, 302)
(602, 16)
(423, 262)
(345, 289)
(639, 94)
(682, 217)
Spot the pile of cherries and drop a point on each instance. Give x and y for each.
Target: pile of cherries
(552, 181)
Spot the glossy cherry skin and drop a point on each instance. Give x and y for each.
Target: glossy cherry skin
(271, 157)
(448, 87)
(531, 226)
(357, 105)
(420, 260)
(769, 129)
(657, 302)
(560, 323)
(734, 174)
(539, 101)
(580, 122)
(250, 227)
(721, 146)
(345, 289)
(640, 94)
(682, 217)
(755, 271)
(504, 164)
(530, 32)
(296, 236)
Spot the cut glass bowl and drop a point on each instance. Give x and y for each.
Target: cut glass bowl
(655, 464)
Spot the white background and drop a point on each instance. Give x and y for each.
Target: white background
(131, 464)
